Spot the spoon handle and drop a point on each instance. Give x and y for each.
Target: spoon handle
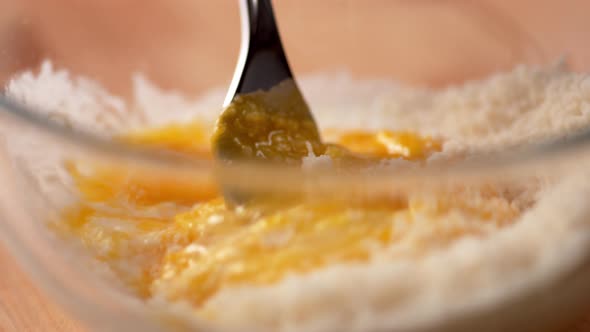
(262, 24)
(262, 63)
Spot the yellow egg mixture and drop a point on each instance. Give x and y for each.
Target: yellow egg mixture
(167, 237)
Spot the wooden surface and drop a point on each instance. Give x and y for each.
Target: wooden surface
(22, 306)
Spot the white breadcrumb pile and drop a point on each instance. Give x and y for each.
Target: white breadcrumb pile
(523, 106)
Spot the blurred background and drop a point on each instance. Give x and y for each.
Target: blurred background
(469, 39)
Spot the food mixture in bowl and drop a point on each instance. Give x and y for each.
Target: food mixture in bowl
(315, 263)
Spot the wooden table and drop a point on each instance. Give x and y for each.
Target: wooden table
(23, 308)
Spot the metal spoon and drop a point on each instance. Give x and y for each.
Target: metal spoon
(266, 118)
(262, 63)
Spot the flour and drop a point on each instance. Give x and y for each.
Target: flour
(509, 109)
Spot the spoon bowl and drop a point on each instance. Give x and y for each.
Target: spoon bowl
(266, 117)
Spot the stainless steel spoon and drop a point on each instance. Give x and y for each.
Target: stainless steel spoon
(266, 118)
(262, 63)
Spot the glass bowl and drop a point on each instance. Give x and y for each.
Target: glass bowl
(77, 74)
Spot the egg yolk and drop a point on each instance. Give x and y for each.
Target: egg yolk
(175, 237)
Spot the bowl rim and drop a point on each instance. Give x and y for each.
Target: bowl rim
(508, 164)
